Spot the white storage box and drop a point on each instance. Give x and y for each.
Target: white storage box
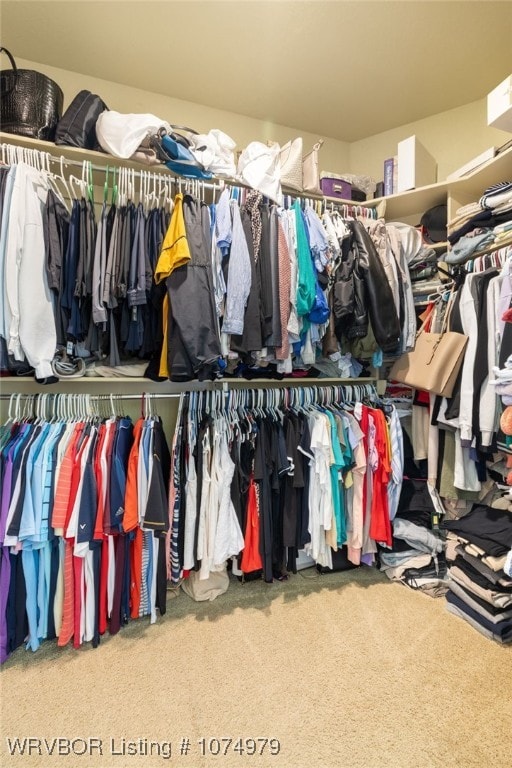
(499, 106)
(416, 166)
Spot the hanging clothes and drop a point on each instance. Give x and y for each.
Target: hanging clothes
(313, 478)
(83, 507)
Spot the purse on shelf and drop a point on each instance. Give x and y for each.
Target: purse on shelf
(290, 161)
(258, 167)
(30, 104)
(77, 126)
(173, 149)
(434, 362)
(311, 170)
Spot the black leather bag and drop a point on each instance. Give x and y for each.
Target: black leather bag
(30, 103)
(77, 127)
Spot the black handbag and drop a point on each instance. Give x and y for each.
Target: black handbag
(77, 126)
(30, 103)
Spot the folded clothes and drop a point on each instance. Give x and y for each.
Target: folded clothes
(495, 563)
(434, 571)
(393, 559)
(498, 578)
(417, 536)
(396, 572)
(505, 227)
(488, 528)
(505, 586)
(466, 247)
(497, 599)
(456, 611)
(465, 212)
(132, 370)
(483, 219)
(501, 631)
(475, 602)
(508, 564)
(432, 587)
(496, 195)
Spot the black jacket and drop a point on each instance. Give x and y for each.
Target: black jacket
(362, 293)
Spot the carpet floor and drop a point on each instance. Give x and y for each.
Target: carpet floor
(342, 670)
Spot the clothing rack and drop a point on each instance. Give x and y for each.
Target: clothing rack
(44, 404)
(284, 397)
(42, 159)
(73, 405)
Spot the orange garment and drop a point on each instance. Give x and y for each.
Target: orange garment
(72, 565)
(68, 610)
(103, 596)
(251, 557)
(131, 506)
(380, 524)
(136, 573)
(131, 520)
(63, 489)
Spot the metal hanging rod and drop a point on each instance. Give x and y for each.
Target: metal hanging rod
(162, 173)
(105, 397)
(151, 170)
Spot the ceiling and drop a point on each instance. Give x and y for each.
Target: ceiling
(341, 69)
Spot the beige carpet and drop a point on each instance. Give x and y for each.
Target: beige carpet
(345, 670)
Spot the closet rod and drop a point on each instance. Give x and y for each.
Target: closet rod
(160, 171)
(117, 396)
(153, 170)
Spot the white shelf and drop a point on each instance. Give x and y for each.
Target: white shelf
(103, 385)
(458, 192)
(414, 202)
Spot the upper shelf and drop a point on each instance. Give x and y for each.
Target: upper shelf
(470, 187)
(491, 172)
(394, 207)
(414, 202)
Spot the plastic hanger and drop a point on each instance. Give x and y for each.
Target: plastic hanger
(105, 186)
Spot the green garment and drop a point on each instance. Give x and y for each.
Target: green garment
(306, 288)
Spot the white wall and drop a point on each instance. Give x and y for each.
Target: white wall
(334, 154)
(452, 137)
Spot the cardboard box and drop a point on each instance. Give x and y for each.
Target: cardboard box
(499, 106)
(416, 166)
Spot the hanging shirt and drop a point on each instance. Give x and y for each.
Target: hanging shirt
(239, 277)
(306, 277)
(175, 253)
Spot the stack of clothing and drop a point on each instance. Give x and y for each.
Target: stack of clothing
(416, 557)
(479, 555)
(482, 226)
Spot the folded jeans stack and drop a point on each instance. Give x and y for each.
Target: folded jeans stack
(416, 557)
(480, 592)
